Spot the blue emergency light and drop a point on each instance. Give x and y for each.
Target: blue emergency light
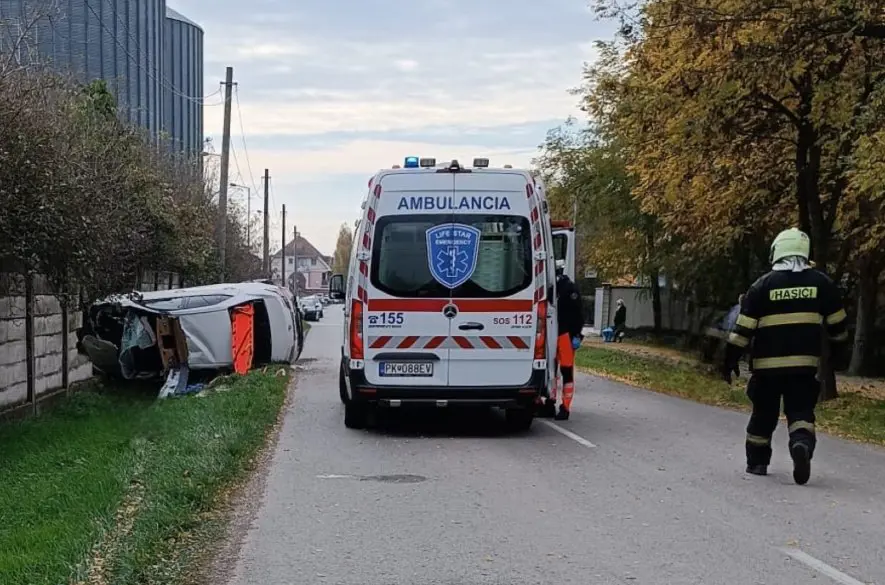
(411, 162)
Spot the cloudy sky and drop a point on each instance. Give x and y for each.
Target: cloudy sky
(332, 90)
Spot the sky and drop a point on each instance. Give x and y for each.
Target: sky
(331, 91)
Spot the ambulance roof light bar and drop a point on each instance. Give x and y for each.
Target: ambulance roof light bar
(481, 163)
(426, 163)
(411, 162)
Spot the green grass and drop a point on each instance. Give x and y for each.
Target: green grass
(850, 415)
(122, 481)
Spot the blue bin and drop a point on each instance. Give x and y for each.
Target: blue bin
(608, 334)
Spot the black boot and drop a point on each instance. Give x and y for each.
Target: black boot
(563, 413)
(547, 410)
(757, 469)
(801, 455)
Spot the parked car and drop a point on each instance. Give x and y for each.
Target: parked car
(145, 335)
(311, 308)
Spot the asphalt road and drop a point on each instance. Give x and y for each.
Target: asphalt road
(636, 488)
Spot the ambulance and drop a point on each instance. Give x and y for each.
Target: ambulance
(449, 296)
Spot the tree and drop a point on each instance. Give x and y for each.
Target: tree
(741, 117)
(341, 257)
(89, 201)
(579, 166)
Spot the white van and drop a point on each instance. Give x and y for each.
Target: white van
(449, 296)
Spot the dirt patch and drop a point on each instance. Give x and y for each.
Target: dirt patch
(869, 387)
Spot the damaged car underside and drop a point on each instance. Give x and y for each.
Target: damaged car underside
(210, 330)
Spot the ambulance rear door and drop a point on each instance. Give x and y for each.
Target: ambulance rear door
(493, 280)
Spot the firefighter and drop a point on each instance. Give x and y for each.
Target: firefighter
(784, 314)
(570, 323)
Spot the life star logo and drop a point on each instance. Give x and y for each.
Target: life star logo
(452, 251)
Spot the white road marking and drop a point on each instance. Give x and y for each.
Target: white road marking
(820, 566)
(576, 438)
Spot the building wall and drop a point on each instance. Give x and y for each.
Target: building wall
(151, 57)
(183, 71)
(675, 315)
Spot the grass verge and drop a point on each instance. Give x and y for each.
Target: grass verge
(112, 487)
(851, 415)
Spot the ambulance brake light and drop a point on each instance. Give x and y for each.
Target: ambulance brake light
(411, 162)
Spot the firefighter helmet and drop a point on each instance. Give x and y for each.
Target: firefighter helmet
(791, 242)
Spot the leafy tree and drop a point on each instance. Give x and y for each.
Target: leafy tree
(741, 117)
(341, 257)
(87, 200)
(583, 170)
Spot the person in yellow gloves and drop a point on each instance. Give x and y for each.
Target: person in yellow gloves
(570, 320)
(785, 314)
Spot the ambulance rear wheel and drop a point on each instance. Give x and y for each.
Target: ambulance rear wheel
(356, 415)
(519, 419)
(342, 385)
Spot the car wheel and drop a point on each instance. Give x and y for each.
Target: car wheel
(356, 415)
(342, 385)
(519, 419)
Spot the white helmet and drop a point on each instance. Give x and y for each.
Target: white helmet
(791, 242)
(560, 266)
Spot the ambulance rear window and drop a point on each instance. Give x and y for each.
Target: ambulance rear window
(401, 265)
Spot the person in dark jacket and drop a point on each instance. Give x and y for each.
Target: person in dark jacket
(570, 323)
(620, 320)
(785, 314)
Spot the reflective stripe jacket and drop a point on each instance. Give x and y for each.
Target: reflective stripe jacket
(784, 314)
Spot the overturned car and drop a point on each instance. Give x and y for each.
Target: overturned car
(213, 329)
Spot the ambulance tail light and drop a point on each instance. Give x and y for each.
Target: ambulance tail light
(357, 351)
(541, 333)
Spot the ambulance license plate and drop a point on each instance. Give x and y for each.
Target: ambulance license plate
(406, 369)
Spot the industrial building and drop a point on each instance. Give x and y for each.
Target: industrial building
(183, 71)
(151, 57)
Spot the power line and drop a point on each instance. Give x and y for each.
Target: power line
(243, 137)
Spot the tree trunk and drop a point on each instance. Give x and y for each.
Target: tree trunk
(656, 300)
(863, 352)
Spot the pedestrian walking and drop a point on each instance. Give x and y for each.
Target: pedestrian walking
(620, 321)
(784, 314)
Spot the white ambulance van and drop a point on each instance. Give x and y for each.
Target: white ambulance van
(449, 296)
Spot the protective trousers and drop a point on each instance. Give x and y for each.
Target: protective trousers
(799, 393)
(565, 355)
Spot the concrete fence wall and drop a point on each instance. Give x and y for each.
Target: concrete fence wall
(675, 313)
(38, 343)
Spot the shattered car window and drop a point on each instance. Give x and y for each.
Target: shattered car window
(176, 304)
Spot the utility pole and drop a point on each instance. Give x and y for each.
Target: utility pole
(266, 222)
(221, 236)
(283, 253)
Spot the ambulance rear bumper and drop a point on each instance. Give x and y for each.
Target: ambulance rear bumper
(502, 396)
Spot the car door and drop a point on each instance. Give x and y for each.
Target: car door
(407, 331)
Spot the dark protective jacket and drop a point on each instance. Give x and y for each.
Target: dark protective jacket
(785, 314)
(621, 316)
(569, 309)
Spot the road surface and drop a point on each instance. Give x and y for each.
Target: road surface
(636, 488)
